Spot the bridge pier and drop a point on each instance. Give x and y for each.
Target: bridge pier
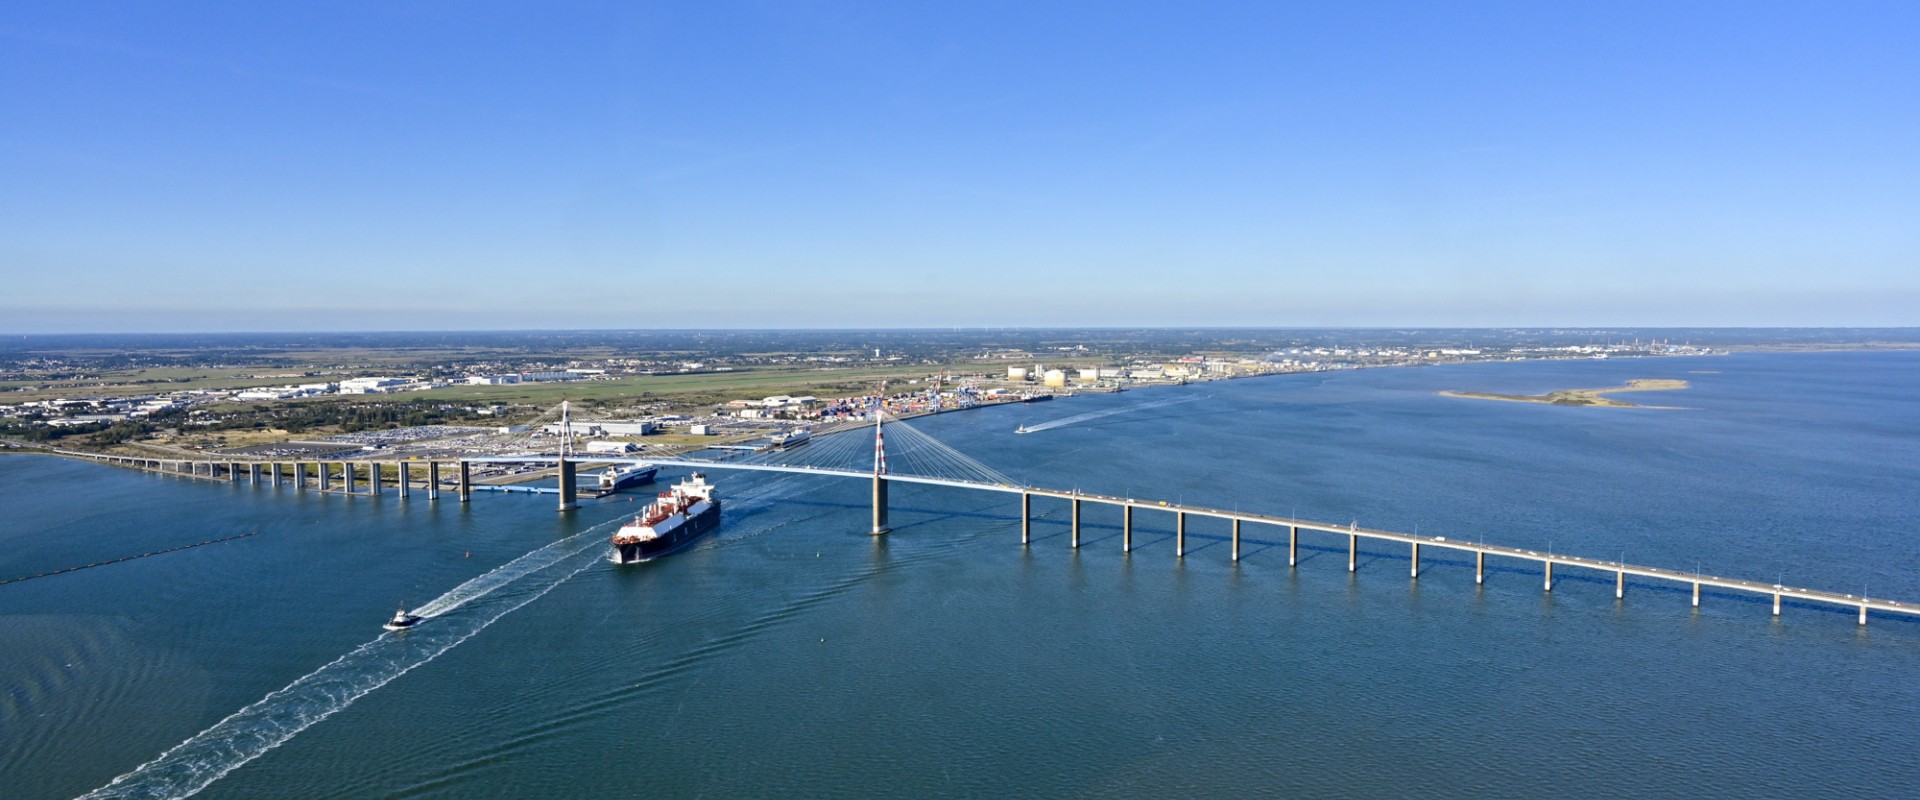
(1620, 585)
(433, 480)
(1180, 535)
(1479, 567)
(1126, 529)
(253, 473)
(346, 477)
(273, 474)
(1026, 518)
(1863, 613)
(403, 478)
(1549, 574)
(879, 505)
(1776, 604)
(1414, 570)
(1076, 523)
(233, 472)
(1236, 538)
(1353, 552)
(326, 475)
(569, 498)
(1293, 545)
(466, 481)
(373, 478)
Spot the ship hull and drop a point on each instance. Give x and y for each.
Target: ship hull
(675, 540)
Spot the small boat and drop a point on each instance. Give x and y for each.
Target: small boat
(402, 620)
(1023, 429)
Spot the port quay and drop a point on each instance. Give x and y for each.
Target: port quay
(955, 470)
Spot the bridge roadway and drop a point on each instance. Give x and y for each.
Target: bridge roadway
(1181, 512)
(1353, 533)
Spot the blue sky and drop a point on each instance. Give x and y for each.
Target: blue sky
(398, 165)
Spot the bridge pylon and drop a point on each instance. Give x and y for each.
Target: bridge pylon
(879, 474)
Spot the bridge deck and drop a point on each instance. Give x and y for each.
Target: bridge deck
(1548, 559)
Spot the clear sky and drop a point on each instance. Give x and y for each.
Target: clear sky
(401, 165)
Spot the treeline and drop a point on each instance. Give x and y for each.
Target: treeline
(99, 434)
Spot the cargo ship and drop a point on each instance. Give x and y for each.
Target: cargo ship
(618, 477)
(669, 523)
(792, 438)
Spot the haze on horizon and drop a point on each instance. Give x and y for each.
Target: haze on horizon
(414, 166)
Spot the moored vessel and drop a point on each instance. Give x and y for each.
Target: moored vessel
(620, 477)
(792, 438)
(674, 520)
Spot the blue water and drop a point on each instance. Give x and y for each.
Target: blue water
(791, 654)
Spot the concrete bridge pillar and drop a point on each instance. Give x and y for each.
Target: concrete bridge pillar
(1026, 518)
(1180, 534)
(1620, 585)
(273, 473)
(1236, 539)
(466, 481)
(433, 480)
(346, 477)
(1696, 594)
(1126, 529)
(1479, 567)
(326, 475)
(1863, 613)
(403, 477)
(1076, 523)
(569, 498)
(1353, 552)
(373, 478)
(1293, 545)
(1414, 570)
(233, 472)
(1549, 578)
(1776, 604)
(253, 473)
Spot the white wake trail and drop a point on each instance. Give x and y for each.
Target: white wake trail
(1093, 415)
(250, 732)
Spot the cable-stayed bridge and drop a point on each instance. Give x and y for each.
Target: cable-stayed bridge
(887, 452)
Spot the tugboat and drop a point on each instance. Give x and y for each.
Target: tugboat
(669, 523)
(402, 620)
(1023, 429)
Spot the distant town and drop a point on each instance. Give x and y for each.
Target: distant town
(439, 394)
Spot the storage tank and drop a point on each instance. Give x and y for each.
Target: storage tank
(1056, 377)
(1089, 375)
(1016, 373)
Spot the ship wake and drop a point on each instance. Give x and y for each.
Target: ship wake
(250, 732)
(1093, 415)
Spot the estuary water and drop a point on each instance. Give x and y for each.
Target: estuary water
(790, 654)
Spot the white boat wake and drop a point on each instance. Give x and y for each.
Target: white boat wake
(1093, 415)
(248, 733)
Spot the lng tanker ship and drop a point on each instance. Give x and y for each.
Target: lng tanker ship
(669, 523)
